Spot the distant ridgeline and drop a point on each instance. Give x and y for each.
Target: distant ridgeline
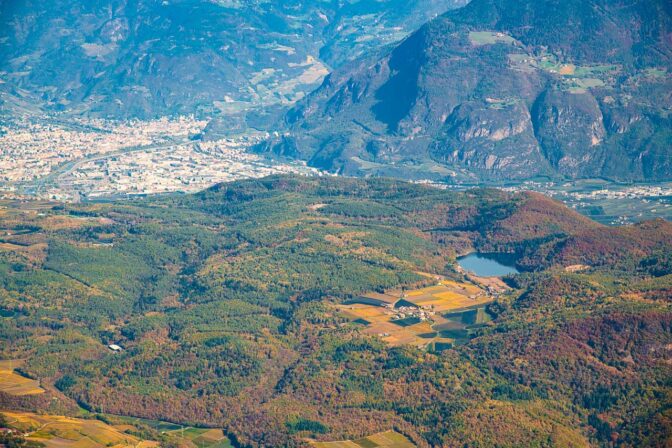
(502, 89)
(149, 58)
(232, 305)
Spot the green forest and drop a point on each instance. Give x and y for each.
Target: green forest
(224, 306)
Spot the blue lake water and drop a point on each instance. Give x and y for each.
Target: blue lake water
(488, 265)
(7, 313)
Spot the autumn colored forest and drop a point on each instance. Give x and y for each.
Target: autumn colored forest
(225, 306)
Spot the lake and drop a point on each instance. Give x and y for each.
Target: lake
(488, 265)
(7, 313)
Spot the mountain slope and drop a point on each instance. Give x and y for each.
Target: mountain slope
(149, 58)
(502, 89)
(595, 31)
(228, 306)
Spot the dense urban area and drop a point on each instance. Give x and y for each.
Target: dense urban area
(96, 159)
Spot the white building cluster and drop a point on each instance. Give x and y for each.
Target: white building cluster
(96, 158)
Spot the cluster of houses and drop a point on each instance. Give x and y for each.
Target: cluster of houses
(405, 312)
(398, 308)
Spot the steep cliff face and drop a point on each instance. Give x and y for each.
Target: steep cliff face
(502, 89)
(491, 139)
(570, 128)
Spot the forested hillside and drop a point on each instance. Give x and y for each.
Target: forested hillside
(224, 304)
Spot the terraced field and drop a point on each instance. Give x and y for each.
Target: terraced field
(388, 439)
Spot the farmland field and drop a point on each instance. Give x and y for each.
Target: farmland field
(15, 384)
(200, 437)
(55, 431)
(489, 38)
(448, 296)
(58, 431)
(388, 439)
(437, 314)
(204, 438)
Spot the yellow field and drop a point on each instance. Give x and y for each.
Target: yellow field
(387, 439)
(35, 252)
(397, 336)
(206, 437)
(56, 431)
(390, 298)
(380, 325)
(424, 291)
(465, 287)
(213, 435)
(15, 384)
(370, 313)
(448, 296)
(448, 301)
(343, 444)
(444, 297)
(567, 69)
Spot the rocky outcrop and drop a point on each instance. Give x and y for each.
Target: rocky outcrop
(570, 128)
(491, 139)
(504, 90)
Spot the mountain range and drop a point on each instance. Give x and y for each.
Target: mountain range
(149, 58)
(494, 90)
(501, 90)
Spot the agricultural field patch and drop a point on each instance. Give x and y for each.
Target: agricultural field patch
(448, 295)
(200, 437)
(204, 437)
(14, 384)
(576, 78)
(387, 439)
(34, 253)
(377, 299)
(478, 38)
(56, 431)
(430, 317)
(655, 72)
(583, 85)
(550, 64)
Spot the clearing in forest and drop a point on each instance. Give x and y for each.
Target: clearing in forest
(432, 317)
(478, 38)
